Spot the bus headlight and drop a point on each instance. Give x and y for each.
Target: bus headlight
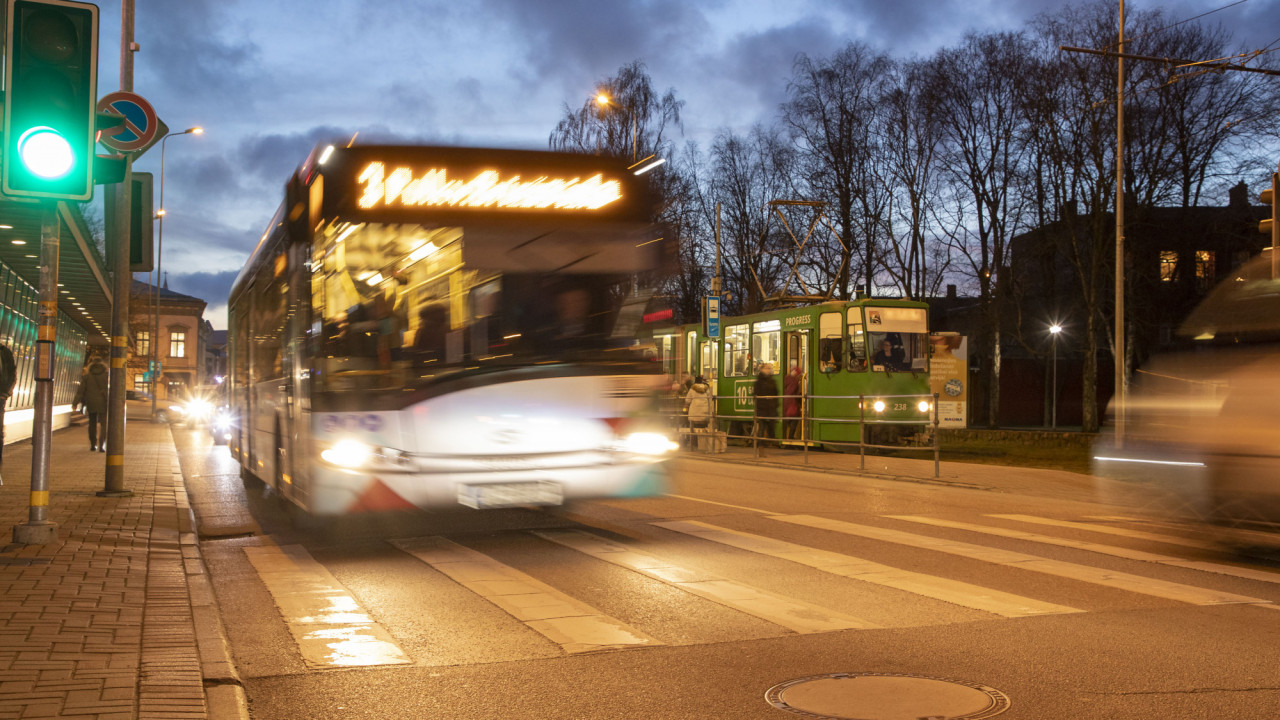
(647, 443)
(351, 454)
(878, 406)
(925, 406)
(199, 409)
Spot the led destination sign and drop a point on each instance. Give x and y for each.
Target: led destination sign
(402, 187)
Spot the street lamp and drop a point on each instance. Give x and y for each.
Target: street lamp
(603, 100)
(1054, 330)
(155, 307)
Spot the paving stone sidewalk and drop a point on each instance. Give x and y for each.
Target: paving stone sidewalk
(115, 619)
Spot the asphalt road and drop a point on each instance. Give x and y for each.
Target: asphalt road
(738, 581)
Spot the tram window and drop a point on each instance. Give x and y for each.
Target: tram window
(857, 342)
(830, 352)
(666, 351)
(766, 347)
(737, 356)
(709, 356)
(690, 353)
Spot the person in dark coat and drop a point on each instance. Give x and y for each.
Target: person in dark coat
(92, 394)
(766, 394)
(791, 388)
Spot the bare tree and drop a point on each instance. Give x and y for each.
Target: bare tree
(632, 123)
(974, 89)
(830, 118)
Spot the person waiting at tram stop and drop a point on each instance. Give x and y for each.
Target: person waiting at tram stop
(792, 386)
(766, 401)
(92, 394)
(697, 405)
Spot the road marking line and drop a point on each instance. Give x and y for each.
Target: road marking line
(796, 615)
(330, 627)
(951, 591)
(1058, 568)
(571, 624)
(1112, 530)
(1120, 552)
(713, 502)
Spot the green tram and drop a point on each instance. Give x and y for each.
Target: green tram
(875, 349)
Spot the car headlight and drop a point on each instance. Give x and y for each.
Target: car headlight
(199, 408)
(647, 443)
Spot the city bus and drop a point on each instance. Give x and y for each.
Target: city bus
(861, 362)
(433, 327)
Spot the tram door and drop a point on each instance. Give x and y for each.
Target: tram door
(796, 353)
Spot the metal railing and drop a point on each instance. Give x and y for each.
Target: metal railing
(804, 422)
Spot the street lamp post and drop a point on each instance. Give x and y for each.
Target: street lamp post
(1054, 330)
(155, 306)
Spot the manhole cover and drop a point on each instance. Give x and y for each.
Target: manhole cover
(886, 696)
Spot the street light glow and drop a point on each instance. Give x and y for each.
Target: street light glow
(1055, 328)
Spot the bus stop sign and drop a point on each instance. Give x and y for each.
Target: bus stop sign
(711, 311)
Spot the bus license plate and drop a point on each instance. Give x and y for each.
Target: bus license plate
(500, 495)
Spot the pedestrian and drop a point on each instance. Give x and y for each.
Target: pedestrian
(766, 394)
(697, 407)
(8, 376)
(92, 395)
(792, 386)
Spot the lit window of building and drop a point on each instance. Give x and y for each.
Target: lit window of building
(1205, 267)
(1168, 265)
(143, 341)
(177, 343)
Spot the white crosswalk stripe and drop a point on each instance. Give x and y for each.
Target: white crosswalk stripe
(1023, 561)
(573, 625)
(952, 591)
(1122, 552)
(797, 615)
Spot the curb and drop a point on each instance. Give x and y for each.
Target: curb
(225, 698)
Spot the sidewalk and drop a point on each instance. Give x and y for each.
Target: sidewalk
(116, 618)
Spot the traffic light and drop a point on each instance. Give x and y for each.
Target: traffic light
(51, 84)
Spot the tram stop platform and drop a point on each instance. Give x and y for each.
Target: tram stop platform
(115, 618)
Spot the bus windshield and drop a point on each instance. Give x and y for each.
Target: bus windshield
(395, 306)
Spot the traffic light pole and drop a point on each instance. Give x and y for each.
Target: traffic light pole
(119, 194)
(39, 530)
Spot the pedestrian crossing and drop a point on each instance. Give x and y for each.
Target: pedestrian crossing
(891, 570)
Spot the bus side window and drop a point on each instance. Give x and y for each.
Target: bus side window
(830, 352)
(857, 343)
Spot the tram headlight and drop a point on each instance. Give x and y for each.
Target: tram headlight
(925, 406)
(878, 406)
(647, 443)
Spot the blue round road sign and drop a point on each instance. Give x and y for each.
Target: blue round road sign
(140, 122)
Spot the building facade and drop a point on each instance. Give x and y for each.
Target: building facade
(175, 340)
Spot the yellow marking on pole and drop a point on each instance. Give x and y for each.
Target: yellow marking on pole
(119, 340)
(117, 362)
(115, 460)
(48, 333)
(39, 498)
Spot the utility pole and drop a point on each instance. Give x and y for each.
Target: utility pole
(119, 194)
(1119, 394)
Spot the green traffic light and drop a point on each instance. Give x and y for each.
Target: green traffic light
(46, 153)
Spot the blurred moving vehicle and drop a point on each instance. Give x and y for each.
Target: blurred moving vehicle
(222, 424)
(199, 404)
(1204, 424)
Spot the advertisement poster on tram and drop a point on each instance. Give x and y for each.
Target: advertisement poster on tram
(949, 378)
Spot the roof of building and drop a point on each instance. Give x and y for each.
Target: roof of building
(140, 287)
